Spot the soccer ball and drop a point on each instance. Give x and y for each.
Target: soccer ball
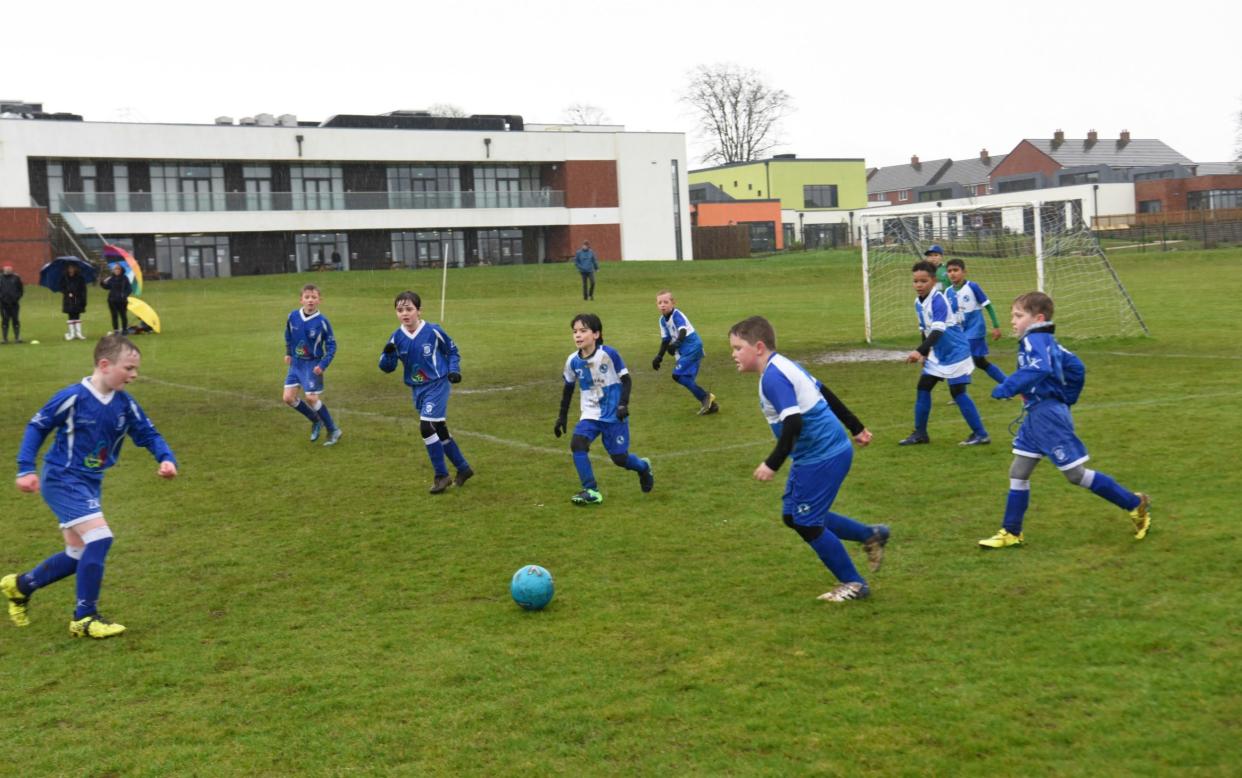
(531, 587)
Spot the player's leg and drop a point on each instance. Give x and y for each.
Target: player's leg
(617, 444)
(585, 431)
(979, 353)
(95, 538)
(686, 373)
(584, 285)
(453, 452)
(1018, 499)
(922, 410)
(808, 494)
(874, 537)
(293, 385)
(5, 312)
(314, 388)
(978, 434)
(1135, 503)
(591, 295)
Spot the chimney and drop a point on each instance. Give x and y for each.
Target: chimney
(1058, 138)
(984, 157)
(1124, 139)
(914, 162)
(1092, 137)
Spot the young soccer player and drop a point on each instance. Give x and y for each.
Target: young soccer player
(935, 255)
(600, 373)
(945, 356)
(971, 302)
(806, 418)
(1050, 378)
(309, 349)
(677, 336)
(431, 364)
(91, 420)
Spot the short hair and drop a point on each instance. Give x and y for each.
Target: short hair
(111, 347)
(591, 322)
(663, 292)
(755, 330)
(955, 262)
(1035, 303)
(409, 297)
(925, 266)
(309, 288)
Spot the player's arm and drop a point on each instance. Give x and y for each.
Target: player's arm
(843, 413)
(144, 434)
(562, 417)
(453, 357)
(623, 407)
(329, 346)
(1038, 367)
(991, 309)
(289, 340)
(791, 428)
(388, 357)
(664, 341)
(49, 417)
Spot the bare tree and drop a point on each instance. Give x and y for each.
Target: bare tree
(584, 113)
(447, 109)
(737, 112)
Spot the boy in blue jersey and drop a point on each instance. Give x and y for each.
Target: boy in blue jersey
(91, 419)
(431, 364)
(1050, 378)
(677, 336)
(601, 374)
(945, 356)
(309, 349)
(806, 418)
(971, 301)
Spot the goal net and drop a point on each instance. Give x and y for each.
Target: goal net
(1008, 250)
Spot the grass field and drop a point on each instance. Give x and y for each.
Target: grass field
(300, 610)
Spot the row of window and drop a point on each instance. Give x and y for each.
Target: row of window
(813, 195)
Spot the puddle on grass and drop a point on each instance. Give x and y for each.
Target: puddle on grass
(860, 355)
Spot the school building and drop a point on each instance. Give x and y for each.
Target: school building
(269, 194)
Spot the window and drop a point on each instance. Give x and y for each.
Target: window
(317, 187)
(192, 256)
(762, 235)
(1088, 177)
(1214, 199)
(933, 195)
(500, 247)
(819, 196)
(429, 248)
(424, 186)
(903, 195)
(1150, 206)
(1153, 175)
(258, 180)
(507, 186)
(187, 187)
(316, 249)
(1020, 185)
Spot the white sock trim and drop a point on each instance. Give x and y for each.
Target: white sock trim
(99, 533)
(431, 440)
(1088, 478)
(74, 552)
(1019, 485)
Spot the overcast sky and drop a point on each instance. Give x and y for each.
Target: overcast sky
(877, 80)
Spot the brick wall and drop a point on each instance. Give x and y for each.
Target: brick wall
(605, 241)
(24, 242)
(587, 183)
(1025, 158)
(1171, 192)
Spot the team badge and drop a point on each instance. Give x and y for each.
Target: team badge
(803, 508)
(1058, 454)
(428, 408)
(426, 349)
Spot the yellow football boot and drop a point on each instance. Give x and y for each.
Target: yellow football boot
(94, 626)
(1002, 539)
(18, 602)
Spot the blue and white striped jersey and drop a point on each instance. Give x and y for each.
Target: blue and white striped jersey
(786, 388)
(935, 313)
(676, 321)
(428, 354)
(599, 380)
(90, 428)
(970, 301)
(310, 338)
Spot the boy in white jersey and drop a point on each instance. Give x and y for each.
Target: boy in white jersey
(91, 419)
(806, 418)
(971, 301)
(309, 349)
(604, 380)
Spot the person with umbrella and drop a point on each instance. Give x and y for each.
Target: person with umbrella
(73, 289)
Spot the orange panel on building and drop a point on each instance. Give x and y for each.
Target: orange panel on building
(741, 212)
(24, 241)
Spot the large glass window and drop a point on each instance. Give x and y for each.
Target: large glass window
(1214, 199)
(321, 250)
(429, 248)
(192, 256)
(507, 186)
(1020, 185)
(1088, 177)
(55, 186)
(932, 195)
(500, 247)
(258, 180)
(317, 187)
(187, 187)
(819, 196)
(424, 186)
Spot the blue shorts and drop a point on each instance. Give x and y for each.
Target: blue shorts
(811, 489)
(73, 500)
(1048, 431)
(979, 347)
(302, 373)
(615, 434)
(431, 400)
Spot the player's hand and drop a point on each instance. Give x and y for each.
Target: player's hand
(288, 359)
(673, 345)
(764, 473)
(167, 470)
(559, 429)
(996, 333)
(655, 363)
(28, 483)
(623, 411)
(863, 438)
(390, 348)
(454, 378)
(914, 356)
(318, 370)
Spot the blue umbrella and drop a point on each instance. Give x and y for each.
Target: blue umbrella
(50, 275)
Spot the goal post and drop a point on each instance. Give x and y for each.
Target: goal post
(1008, 249)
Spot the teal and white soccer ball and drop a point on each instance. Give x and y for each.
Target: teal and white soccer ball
(532, 587)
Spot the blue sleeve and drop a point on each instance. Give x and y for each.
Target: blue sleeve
(289, 336)
(449, 349)
(388, 362)
(779, 391)
(1038, 367)
(49, 417)
(329, 344)
(617, 361)
(939, 312)
(144, 434)
(979, 294)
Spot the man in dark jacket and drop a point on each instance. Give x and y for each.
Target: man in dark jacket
(587, 263)
(10, 302)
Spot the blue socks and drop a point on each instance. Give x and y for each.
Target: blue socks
(582, 461)
(90, 576)
(454, 454)
(995, 373)
(49, 571)
(1015, 510)
(688, 382)
(1114, 492)
(922, 411)
(834, 556)
(971, 414)
(325, 417)
(846, 528)
(435, 452)
(306, 411)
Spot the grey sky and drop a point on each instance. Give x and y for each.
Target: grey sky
(876, 80)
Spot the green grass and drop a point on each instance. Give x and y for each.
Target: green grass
(297, 610)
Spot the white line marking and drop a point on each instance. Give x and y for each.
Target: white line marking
(1168, 356)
